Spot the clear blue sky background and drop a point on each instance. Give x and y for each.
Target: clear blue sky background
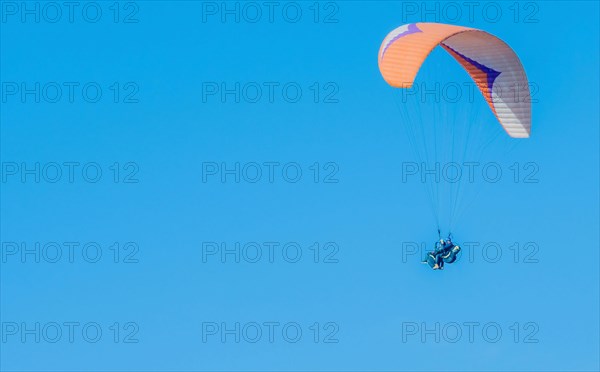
(370, 293)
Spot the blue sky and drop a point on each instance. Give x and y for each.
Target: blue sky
(164, 145)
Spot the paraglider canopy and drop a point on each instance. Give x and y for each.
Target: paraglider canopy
(490, 62)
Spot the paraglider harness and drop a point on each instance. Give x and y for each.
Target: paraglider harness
(444, 252)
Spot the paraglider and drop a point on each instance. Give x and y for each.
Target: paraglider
(494, 68)
(445, 251)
